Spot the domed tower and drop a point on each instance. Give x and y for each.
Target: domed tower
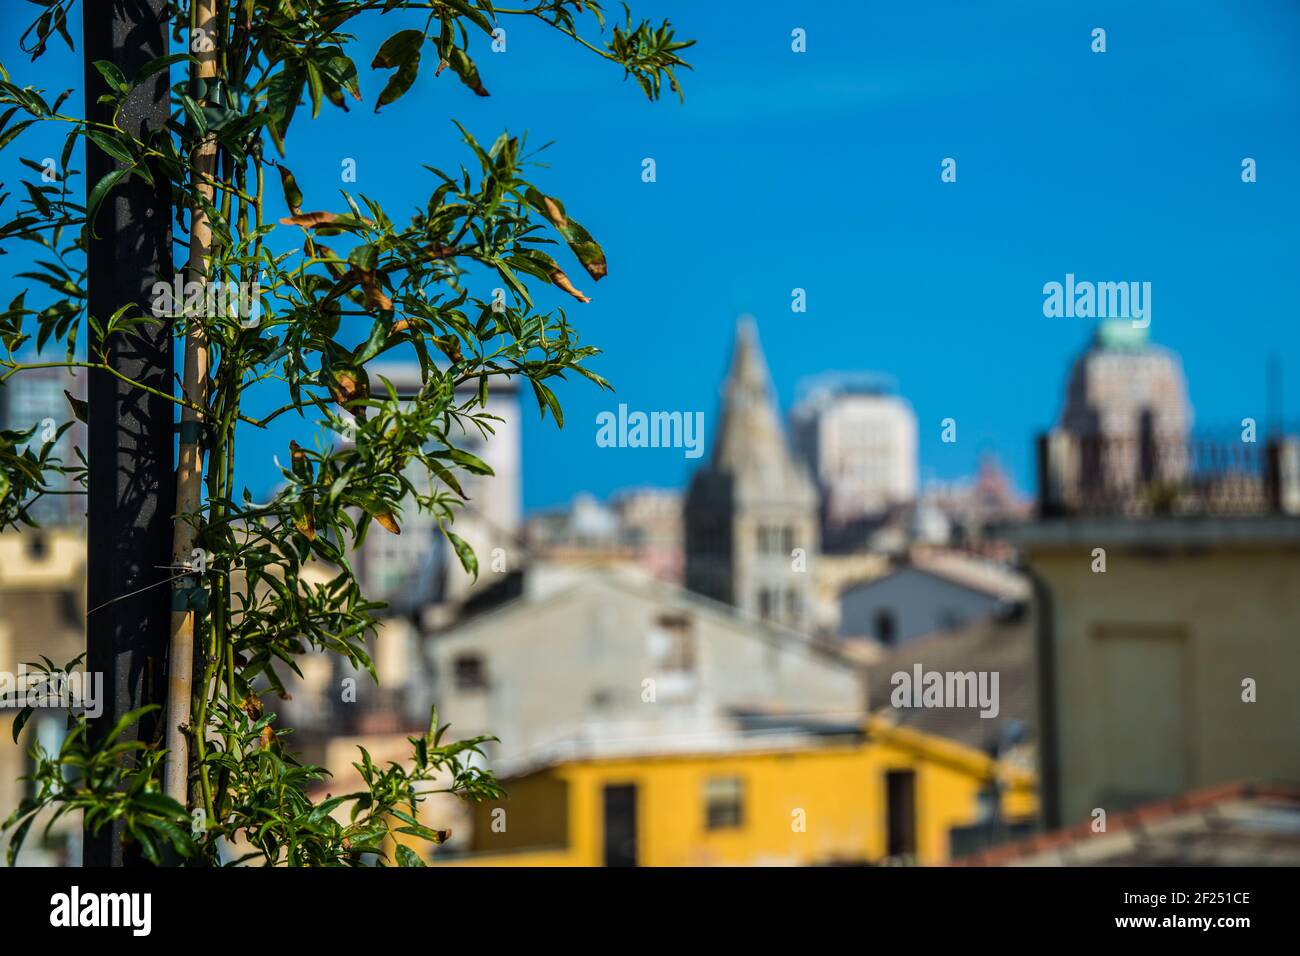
(752, 510)
(1126, 406)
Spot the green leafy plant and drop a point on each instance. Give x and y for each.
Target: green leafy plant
(324, 272)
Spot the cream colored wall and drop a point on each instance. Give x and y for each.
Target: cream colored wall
(32, 623)
(1239, 610)
(547, 661)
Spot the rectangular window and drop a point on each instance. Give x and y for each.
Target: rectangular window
(793, 605)
(722, 801)
(900, 812)
(673, 644)
(469, 672)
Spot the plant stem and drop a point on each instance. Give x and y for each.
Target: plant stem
(189, 477)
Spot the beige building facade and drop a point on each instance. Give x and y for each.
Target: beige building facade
(1175, 667)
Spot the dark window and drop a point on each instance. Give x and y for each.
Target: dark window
(766, 604)
(37, 546)
(900, 797)
(793, 605)
(886, 627)
(620, 825)
(722, 803)
(470, 673)
(70, 609)
(775, 539)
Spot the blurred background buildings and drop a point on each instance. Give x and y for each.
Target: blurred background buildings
(708, 675)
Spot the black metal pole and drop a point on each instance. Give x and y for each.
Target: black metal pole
(131, 433)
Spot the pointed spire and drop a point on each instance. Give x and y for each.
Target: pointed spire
(749, 428)
(748, 367)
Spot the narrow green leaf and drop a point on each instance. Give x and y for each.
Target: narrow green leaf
(468, 560)
(546, 399)
(101, 191)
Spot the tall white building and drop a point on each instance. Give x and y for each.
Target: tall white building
(859, 441)
(34, 399)
(418, 567)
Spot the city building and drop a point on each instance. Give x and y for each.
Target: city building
(751, 511)
(962, 513)
(652, 520)
(1001, 645)
(1126, 415)
(416, 568)
(931, 592)
(1167, 657)
(34, 399)
(42, 613)
(859, 441)
(832, 573)
(607, 660)
(639, 526)
(870, 794)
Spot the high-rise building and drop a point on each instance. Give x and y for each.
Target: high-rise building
(34, 398)
(859, 441)
(1126, 415)
(1121, 381)
(417, 567)
(751, 512)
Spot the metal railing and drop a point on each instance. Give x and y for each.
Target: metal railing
(1147, 475)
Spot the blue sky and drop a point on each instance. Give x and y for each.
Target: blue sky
(821, 171)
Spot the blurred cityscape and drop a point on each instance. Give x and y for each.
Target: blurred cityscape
(805, 656)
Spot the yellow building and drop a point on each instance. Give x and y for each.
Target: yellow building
(890, 795)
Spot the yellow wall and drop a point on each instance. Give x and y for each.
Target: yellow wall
(839, 788)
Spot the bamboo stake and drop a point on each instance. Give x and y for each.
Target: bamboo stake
(189, 477)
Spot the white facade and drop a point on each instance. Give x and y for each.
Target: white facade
(861, 446)
(34, 399)
(1113, 385)
(417, 567)
(1126, 416)
(602, 661)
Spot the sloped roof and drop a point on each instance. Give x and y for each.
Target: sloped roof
(1235, 824)
(991, 645)
(970, 575)
(640, 584)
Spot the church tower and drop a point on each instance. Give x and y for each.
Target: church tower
(751, 512)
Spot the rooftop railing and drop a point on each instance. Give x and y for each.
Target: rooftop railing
(1148, 475)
